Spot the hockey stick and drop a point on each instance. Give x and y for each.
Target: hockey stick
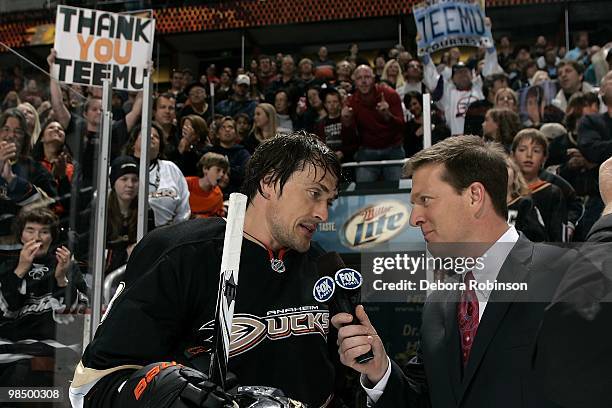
(228, 284)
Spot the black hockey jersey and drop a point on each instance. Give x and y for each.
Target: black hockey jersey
(165, 311)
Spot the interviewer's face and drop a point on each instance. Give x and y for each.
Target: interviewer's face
(439, 210)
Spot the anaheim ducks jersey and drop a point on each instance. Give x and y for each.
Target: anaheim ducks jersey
(165, 311)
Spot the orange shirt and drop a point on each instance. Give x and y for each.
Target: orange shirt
(204, 204)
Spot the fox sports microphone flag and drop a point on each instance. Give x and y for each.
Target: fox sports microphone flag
(228, 283)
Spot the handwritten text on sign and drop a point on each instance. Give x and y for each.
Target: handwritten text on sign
(450, 23)
(92, 45)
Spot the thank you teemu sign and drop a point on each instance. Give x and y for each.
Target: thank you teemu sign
(92, 45)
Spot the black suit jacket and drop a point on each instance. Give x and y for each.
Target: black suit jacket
(498, 373)
(574, 348)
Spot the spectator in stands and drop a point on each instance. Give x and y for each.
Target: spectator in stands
(501, 125)
(23, 181)
(197, 102)
(11, 100)
(506, 98)
(354, 57)
(265, 126)
(194, 140)
(404, 58)
(343, 72)
(32, 119)
(122, 220)
(168, 192)
(595, 145)
(413, 135)
(455, 95)
(223, 90)
(314, 112)
(164, 114)
(287, 80)
(237, 154)
(243, 127)
(205, 196)
(375, 113)
(39, 290)
(51, 151)
(522, 213)
(283, 108)
(330, 129)
(211, 74)
(529, 150)
(413, 79)
(581, 50)
(266, 75)
(306, 75)
(323, 66)
(392, 74)
(539, 77)
(548, 62)
(239, 101)
(538, 111)
(504, 52)
(571, 81)
(84, 132)
(254, 92)
(379, 66)
(539, 47)
(477, 109)
(176, 88)
(187, 77)
(31, 93)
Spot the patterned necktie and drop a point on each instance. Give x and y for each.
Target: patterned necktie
(467, 317)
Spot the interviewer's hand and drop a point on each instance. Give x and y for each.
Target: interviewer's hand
(355, 340)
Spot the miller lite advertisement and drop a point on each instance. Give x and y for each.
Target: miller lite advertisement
(373, 222)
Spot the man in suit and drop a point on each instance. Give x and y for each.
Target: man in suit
(476, 345)
(573, 350)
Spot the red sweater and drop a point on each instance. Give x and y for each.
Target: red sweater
(373, 129)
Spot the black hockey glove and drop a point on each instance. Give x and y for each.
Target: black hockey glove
(171, 385)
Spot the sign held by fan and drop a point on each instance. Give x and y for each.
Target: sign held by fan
(450, 23)
(93, 45)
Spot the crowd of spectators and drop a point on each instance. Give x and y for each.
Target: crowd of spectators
(551, 109)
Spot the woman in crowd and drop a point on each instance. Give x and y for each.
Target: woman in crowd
(506, 98)
(32, 119)
(392, 74)
(522, 213)
(265, 126)
(168, 192)
(194, 139)
(51, 151)
(122, 217)
(39, 288)
(501, 125)
(243, 127)
(413, 137)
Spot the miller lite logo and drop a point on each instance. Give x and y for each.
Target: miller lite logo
(323, 289)
(375, 224)
(348, 279)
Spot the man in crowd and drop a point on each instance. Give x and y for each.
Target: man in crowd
(459, 196)
(177, 84)
(266, 74)
(166, 308)
(374, 112)
(570, 74)
(237, 154)
(323, 66)
(287, 80)
(164, 113)
(454, 96)
(239, 102)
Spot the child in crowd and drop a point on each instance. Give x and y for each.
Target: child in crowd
(205, 196)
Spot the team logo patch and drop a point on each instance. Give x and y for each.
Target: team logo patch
(348, 278)
(324, 289)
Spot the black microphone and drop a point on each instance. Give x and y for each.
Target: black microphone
(339, 287)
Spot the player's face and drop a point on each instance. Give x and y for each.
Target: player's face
(437, 208)
(293, 217)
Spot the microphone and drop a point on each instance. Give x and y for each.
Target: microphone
(339, 287)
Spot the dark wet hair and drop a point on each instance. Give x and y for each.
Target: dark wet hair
(276, 159)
